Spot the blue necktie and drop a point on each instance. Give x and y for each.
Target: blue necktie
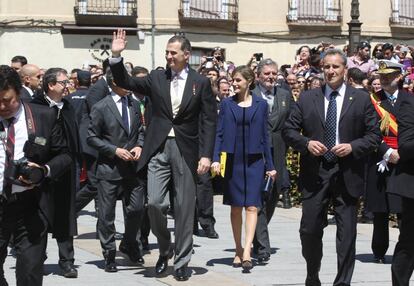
(124, 101)
(330, 127)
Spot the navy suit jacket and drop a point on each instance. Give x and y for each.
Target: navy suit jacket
(258, 137)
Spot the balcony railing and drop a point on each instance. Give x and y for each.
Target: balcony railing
(314, 12)
(402, 13)
(210, 12)
(106, 12)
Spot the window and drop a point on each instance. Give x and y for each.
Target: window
(314, 11)
(402, 12)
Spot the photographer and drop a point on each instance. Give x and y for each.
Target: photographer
(34, 152)
(216, 60)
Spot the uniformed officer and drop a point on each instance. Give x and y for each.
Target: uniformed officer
(382, 163)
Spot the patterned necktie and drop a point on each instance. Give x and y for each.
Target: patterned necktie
(269, 99)
(7, 185)
(175, 97)
(124, 101)
(392, 99)
(330, 127)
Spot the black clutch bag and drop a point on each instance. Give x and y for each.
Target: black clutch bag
(267, 185)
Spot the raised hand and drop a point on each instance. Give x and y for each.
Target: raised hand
(119, 42)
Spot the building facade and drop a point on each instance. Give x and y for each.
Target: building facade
(73, 33)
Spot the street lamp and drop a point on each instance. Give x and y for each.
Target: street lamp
(354, 28)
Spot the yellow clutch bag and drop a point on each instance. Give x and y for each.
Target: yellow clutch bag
(223, 158)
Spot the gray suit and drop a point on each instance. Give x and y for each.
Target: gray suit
(107, 133)
(280, 110)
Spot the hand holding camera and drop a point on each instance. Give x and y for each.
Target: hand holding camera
(24, 173)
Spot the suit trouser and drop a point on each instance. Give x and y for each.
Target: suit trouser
(89, 191)
(24, 221)
(403, 259)
(261, 243)
(167, 163)
(314, 220)
(205, 202)
(133, 203)
(380, 235)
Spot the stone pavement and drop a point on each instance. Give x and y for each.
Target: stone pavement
(211, 263)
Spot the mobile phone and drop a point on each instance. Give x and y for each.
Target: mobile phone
(258, 56)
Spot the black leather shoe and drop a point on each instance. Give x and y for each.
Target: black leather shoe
(161, 265)
(263, 257)
(68, 270)
(181, 274)
(379, 260)
(110, 265)
(133, 253)
(211, 233)
(286, 200)
(312, 280)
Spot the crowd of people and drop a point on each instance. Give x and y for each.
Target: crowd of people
(163, 142)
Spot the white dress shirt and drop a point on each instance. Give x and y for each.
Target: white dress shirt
(118, 103)
(20, 136)
(177, 93)
(339, 102)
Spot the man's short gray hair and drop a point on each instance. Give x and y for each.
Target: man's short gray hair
(333, 52)
(265, 62)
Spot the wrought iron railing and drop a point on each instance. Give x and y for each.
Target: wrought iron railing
(402, 12)
(314, 11)
(106, 7)
(209, 9)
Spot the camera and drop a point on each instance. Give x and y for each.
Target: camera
(19, 168)
(258, 56)
(209, 59)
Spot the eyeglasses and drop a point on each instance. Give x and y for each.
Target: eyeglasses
(301, 81)
(63, 82)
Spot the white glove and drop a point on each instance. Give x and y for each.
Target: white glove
(382, 166)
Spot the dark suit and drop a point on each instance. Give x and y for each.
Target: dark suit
(281, 105)
(25, 95)
(32, 213)
(403, 260)
(89, 191)
(115, 176)
(342, 182)
(65, 226)
(179, 155)
(377, 200)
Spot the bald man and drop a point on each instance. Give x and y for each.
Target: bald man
(30, 76)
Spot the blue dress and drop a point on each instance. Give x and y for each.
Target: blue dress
(245, 172)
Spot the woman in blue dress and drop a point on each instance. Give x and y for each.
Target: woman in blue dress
(242, 135)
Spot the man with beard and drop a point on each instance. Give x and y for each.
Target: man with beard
(362, 58)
